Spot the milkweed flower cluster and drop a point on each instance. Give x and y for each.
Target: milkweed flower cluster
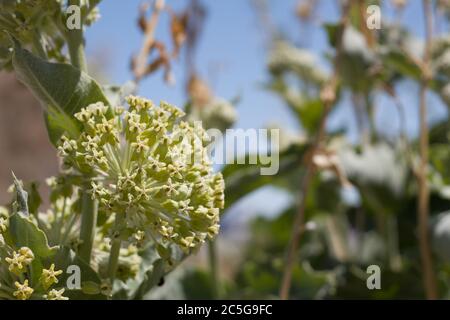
(148, 165)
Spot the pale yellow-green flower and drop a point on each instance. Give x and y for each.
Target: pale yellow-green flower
(15, 262)
(18, 261)
(3, 225)
(23, 291)
(55, 295)
(3, 212)
(49, 276)
(27, 255)
(150, 166)
(3, 219)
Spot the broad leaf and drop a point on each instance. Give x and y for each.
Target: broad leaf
(241, 179)
(90, 281)
(62, 90)
(24, 233)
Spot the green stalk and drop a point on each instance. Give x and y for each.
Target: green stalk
(115, 249)
(75, 43)
(89, 210)
(214, 269)
(114, 259)
(89, 207)
(76, 49)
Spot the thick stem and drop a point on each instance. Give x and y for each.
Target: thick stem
(115, 248)
(89, 210)
(423, 206)
(114, 259)
(76, 50)
(423, 210)
(328, 97)
(75, 43)
(296, 233)
(214, 269)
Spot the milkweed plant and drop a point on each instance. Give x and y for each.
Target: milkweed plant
(136, 192)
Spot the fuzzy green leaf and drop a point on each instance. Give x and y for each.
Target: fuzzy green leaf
(242, 179)
(62, 90)
(24, 233)
(90, 281)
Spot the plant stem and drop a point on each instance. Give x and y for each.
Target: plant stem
(328, 97)
(89, 207)
(115, 249)
(75, 43)
(423, 210)
(89, 210)
(68, 229)
(214, 269)
(76, 50)
(114, 259)
(296, 233)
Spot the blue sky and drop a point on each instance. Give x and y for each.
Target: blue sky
(232, 56)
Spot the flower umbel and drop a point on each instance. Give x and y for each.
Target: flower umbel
(149, 165)
(23, 291)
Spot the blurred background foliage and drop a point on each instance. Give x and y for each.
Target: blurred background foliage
(361, 208)
(362, 203)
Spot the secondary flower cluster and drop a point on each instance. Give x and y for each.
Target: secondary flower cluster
(40, 25)
(18, 263)
(147, 164)
(287, 58)
(217, 113)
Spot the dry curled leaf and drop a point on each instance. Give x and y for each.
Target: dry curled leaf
(141, 64)
(304, 10)
(178, 27)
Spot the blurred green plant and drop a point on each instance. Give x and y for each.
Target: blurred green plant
(361, 204)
